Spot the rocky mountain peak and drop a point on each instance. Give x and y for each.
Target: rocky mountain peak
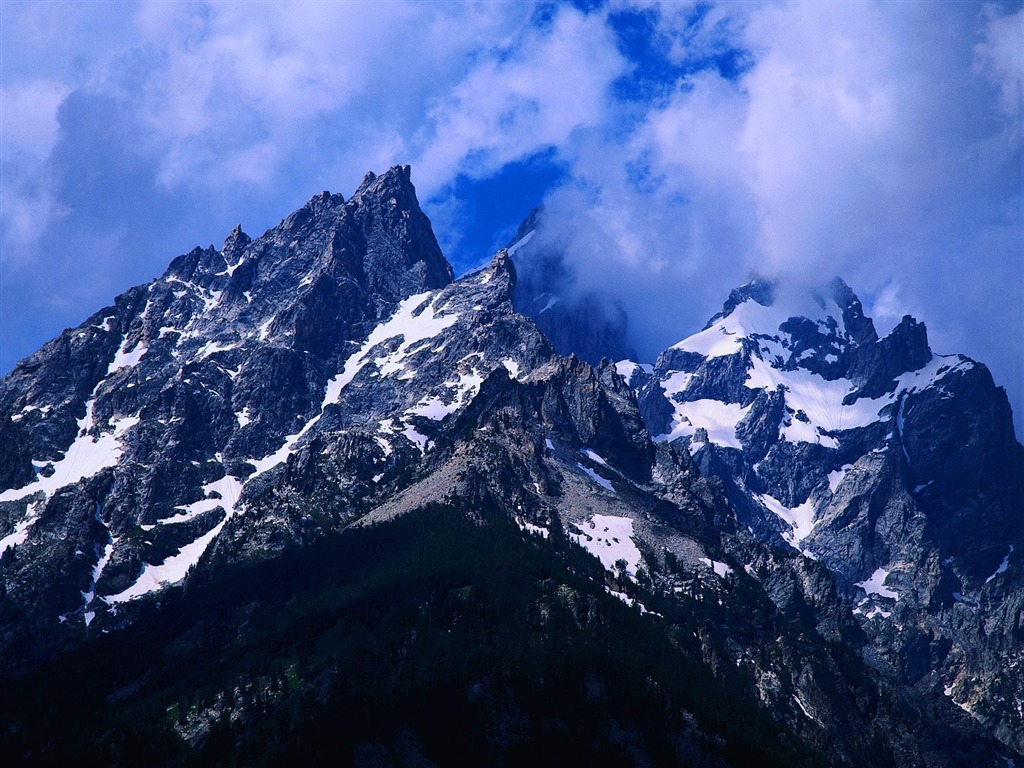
(860, 327)
(758, 289)
(844, 446)
(503, 268)
(397, 180)
(793, 493)
(235, 243)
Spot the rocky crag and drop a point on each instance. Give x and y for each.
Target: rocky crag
(826, 522)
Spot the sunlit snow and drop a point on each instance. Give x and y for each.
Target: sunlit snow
(596, 478)
(610, 538)
(835, 477)
(819, 399)
(86, 456)
(815, 404)
(412, 328)
(124, 358)
(1002, 566)
(875, 584)
(175, 567)
(420, 441)
(512, 367)
(531, 528)
(725, 335)
(718, 418)
(214, 346)
(433, 408)
(720, 569)
(803, 708)
(799, 518)
(627, 368)
(244, 419)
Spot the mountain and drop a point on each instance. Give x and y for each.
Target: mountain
(896, 468)
(309, 497)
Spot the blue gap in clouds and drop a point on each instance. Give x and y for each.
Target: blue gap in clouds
(730, 61)
(654, 74)
(492, 208)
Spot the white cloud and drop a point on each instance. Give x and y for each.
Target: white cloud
(28, 117)
(877, 141)
(880, 141)
(822, 105)
(28, 132)
(530, 94)
(231, 79)
(1001, 56)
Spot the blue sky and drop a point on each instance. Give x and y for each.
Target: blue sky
(677, 147)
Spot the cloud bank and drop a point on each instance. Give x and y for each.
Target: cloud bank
(677, 146)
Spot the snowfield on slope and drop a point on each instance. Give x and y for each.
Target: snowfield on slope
(610, 539)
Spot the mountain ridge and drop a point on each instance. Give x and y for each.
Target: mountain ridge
(332, 375)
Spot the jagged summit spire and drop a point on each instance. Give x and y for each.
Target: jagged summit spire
(791, 300)
(757, 288)
(235, 242)
(396, 179)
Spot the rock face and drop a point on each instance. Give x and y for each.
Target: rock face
(834, 516)
(144, 421)
(896, 468)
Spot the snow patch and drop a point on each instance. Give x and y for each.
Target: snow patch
(433, 408)
(512, 367)
(175, 567)
(1002, 566)
(124, 358)
(803, 708)
(596, 477)
(593, 456)
(522, 241)
(101, 562)
(85, 457)
(875, 584)
(21, 528)
(719, 419)
(720, 569)
(610, 538)
(214, 346)
(800, 518)
(676, 382)
(209, 302)
(531, 528)
(627, 369)
(835, 477)
(227, 488)
(421, 441)
(412, 327)
(820, 400)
